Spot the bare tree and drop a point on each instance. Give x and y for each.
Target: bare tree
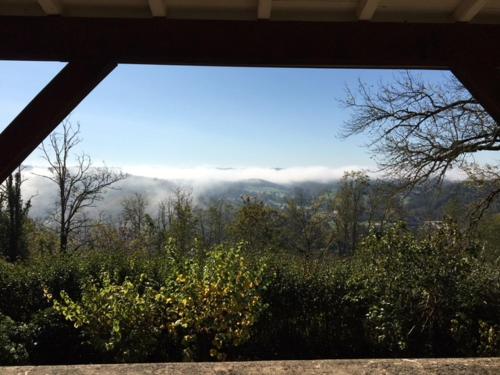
(80, 185)
(420, 130)
(134, 213)
(214, 221)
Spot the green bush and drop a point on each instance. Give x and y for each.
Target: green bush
(215, 301)
(20, 288)
(426, 297)
(13, 338)
(207, 306)
(119, 319)
(402, 294)
(309, 315)
(53, 340)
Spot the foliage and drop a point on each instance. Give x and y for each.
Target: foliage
(309, 315)
(432, 293)
(12, 341)
(182, 222)
(213, 222)
(216, 301)
(118, 318)
(349, 206)
(427, 296)
(13, 219)
(257, 224)
(308, 224)
(53, 340)
(208, 306)
(489, 232)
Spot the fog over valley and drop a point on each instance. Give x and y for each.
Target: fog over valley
(158, 184)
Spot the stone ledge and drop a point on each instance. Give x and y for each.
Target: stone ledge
(340, 367)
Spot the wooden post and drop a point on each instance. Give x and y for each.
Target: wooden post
(41, 116)
(483, 82)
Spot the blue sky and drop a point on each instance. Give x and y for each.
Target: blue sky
(186, 117)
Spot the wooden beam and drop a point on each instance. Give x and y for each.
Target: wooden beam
(366, 9)
(264, 9)
(40, 117)
(51, 7)
(158, 8)
(248, 43)
(468, 9)
(483, 82)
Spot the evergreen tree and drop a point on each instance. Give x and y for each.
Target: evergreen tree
(13, 217)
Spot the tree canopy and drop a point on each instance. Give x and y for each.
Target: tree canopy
(420, 130)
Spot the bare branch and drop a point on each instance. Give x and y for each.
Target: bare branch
(80, 185)
(420, 130)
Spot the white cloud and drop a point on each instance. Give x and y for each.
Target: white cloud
(207, 175)
(157, 183)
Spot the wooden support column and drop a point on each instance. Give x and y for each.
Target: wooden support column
(40, 117)
(483, 82)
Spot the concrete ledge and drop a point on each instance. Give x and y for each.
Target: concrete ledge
(340, 367)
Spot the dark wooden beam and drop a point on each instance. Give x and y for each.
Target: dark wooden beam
(248, 43)
(47, 110)
(483, 82)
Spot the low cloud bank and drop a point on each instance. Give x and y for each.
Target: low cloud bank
(207, 175)
(158, 183)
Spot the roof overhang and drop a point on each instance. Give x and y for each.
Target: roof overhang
(249, 43)
(427, 11)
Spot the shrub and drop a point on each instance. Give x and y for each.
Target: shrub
(53, 340)
(402, 294)
(425, 297)
(309, 315)
(119, 319)
(13, 338)
(217, 302)
(207, 306)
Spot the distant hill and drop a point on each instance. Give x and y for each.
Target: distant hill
(43, 192)
(423, 204)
